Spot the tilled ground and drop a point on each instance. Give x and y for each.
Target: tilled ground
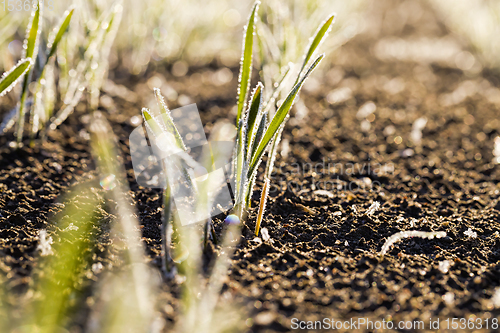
(356, 143)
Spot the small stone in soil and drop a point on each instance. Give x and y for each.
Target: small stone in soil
(232, 219)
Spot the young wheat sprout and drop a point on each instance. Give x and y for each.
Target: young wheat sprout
(255, 137)
(406, 234)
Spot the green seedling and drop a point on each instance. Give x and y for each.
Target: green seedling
(39, 112)
(156, 130)
(256, 132)
(90, 71)
(30, 51)
(407, 234)
(254, 138)
(199, 298)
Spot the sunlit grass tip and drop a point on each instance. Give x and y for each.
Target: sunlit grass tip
(12, 77)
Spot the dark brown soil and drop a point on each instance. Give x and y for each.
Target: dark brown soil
(322, 261)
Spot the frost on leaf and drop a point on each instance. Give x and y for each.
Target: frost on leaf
(45, 243)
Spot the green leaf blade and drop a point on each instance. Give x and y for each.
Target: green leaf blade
(253, 111)
(32, 35)
(12, 77)
(279, 117)
(320, 35)
(246, 62)
(58, 33)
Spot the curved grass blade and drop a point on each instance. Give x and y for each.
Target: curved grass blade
(56, 36)
(54, 39)
(279, 117)
(246, 63)
(319, 36)
(407, 234)
(12, 77)
(30, 51)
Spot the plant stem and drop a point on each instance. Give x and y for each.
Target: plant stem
(262, 205)
(22, 105)
(167, 229)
